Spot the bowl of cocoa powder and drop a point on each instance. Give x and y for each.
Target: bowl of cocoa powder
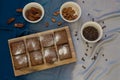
(33, 12)
(91, 32)
(70, 11)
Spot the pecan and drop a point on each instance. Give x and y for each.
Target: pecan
(19, 25)
(10, 20)
(59, 23)
(19, 10)
(53, 20)
(56, 13)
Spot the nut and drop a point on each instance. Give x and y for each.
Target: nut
(69, 13)
(33, 13)
(56, 13)
(19, 10)
(19, 25)
(53, 20)
(10, 20)
(59, 23)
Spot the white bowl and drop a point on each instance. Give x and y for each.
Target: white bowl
(36, 5)
(95, 25)
(74, 6)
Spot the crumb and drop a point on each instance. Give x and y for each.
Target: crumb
(46, 24)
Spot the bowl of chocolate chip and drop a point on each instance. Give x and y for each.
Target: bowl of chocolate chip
(91, 32)
(70, 11)
(33, 12)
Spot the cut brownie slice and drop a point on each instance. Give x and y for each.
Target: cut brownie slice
(36, 58)
(64, 52)
(60, 37)
(50, 55)
(33, 44)
(20, 61)
(47, 40)
(17, 47)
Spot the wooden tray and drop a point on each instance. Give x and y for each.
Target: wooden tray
(44, 66)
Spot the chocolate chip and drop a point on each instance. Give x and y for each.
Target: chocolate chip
(77, 38)
(83, 59)
(76, 34)
(106, 59)
(103, 22)
(88, 14)
(90, 46)
(83, 67)
(105, 35)
(103, 55)
(103, 27)
(86, 54)
(86, 42)
(93, 19)
(86, 49)
(83, 1)
(87, 45)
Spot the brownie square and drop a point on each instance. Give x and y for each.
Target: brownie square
(36, 58)
(64, 52)
(47, 40)
(50, 55)
(20, 61)
(60, 37)
(33, 44)
(17, 47)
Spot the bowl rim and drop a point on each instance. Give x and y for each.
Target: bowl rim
(97, 26)
(73, 3)
(33, 3)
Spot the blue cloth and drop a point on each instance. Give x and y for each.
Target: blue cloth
(8, 10)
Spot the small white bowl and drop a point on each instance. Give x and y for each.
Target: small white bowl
(74, 6)
(95, 25)
(36, 5)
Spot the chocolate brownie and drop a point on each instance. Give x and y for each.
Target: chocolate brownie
(50, 55)
(20, 61)
(33, 44)
(64, 52)
(36, 58)
(46, 40)
(60, 37)
(17, 47)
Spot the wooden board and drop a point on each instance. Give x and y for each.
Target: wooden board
(31, 69)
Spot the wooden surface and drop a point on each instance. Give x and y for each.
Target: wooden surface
(44, 66)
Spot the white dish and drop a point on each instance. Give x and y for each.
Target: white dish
(36, 5)
(96, 26)
(74, 6)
